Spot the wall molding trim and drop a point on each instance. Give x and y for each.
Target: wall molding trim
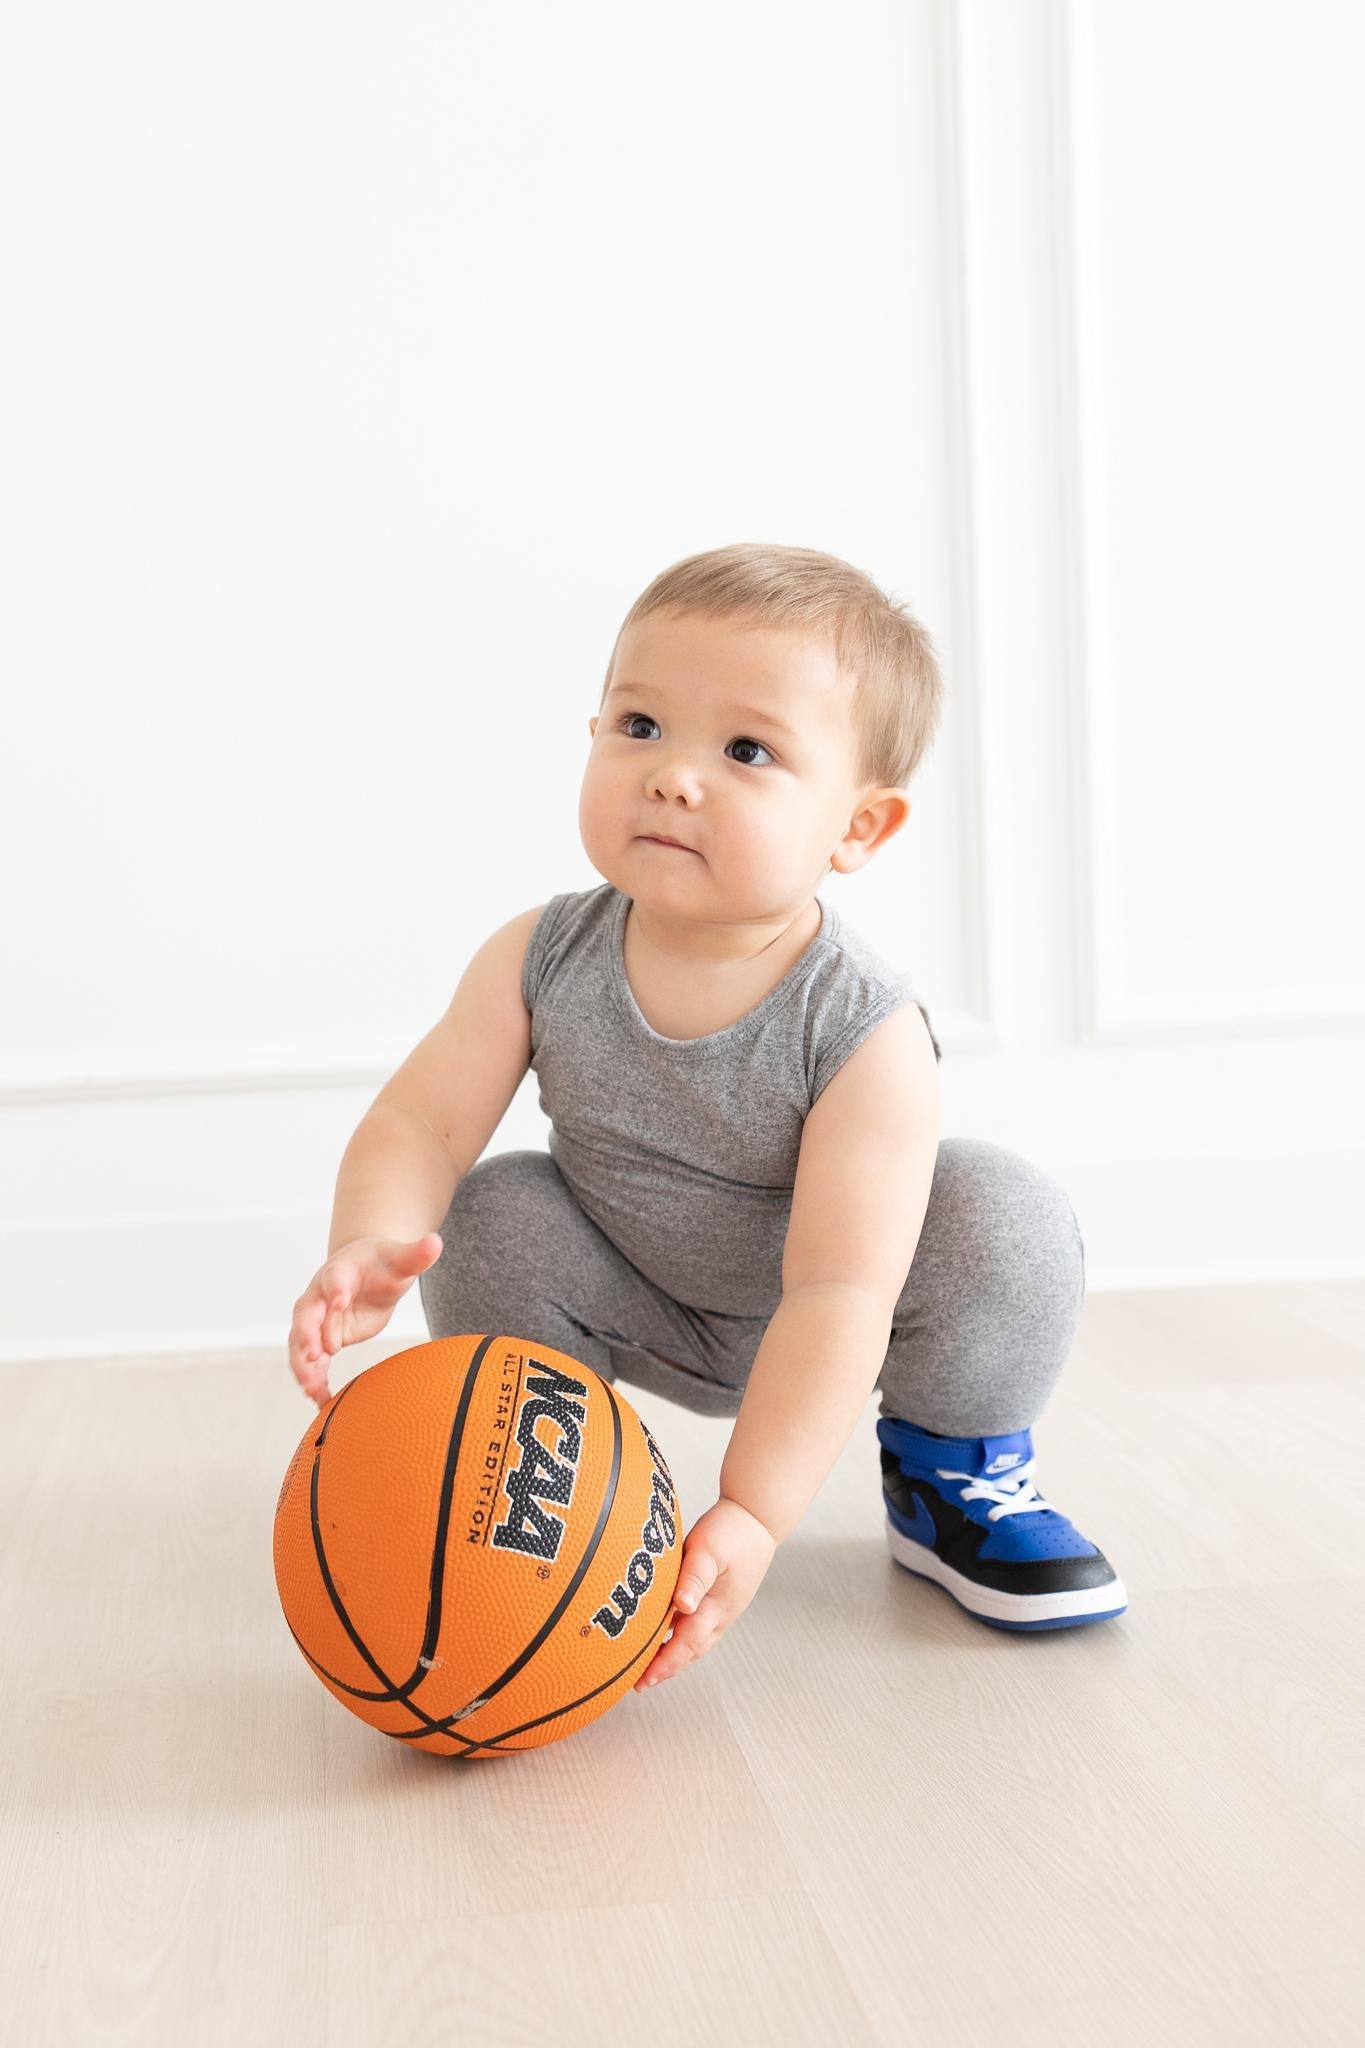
(1088, 670)
(200, 1285)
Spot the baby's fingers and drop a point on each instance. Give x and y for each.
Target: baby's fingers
(692, 1637)
(338, 1300)
(303, 1332)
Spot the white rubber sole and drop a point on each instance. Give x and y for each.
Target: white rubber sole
(1094, 1601)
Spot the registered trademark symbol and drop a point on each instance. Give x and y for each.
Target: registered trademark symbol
(586, 1629)
(542, 1571)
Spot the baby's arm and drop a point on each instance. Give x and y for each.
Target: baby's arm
(457, 1084)
(427, 1126)
(858, 1207)
(862, 1188)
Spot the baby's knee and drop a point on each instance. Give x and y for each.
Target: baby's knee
(496, 1215)
(517, 1256)
(1009, 1221)
(504, 1186)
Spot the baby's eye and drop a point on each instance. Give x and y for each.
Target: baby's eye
(630, 718)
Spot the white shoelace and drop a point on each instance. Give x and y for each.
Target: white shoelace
(1014, 1492)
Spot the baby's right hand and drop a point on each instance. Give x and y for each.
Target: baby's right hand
(350, 1298)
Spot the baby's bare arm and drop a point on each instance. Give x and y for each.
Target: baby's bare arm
(430, 1122)
(396, 1179)
(862, 1190)
(428, 1125)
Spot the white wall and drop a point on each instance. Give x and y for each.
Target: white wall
(359, 366)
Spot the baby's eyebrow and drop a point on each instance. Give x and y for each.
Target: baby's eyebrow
(768, 718)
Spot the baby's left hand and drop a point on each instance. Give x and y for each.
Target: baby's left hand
(724, 1558)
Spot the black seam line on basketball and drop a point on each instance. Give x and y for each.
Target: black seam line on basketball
(516, 1403)
(438, 1554)
(394, 1694)
(505, 1735)
(481, 1698)
(341, 1685)
(492, 1742)
(497, 1742)
(321, 1436)
(403, 1694)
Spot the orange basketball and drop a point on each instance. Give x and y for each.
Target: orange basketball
(476, 1546)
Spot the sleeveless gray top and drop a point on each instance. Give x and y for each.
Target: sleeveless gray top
(683, 1151)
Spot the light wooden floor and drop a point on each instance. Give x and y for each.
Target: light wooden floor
(864, 1818)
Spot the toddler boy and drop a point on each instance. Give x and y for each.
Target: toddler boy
(745, 1204)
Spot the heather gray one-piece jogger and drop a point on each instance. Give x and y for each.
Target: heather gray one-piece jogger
(647, 1241)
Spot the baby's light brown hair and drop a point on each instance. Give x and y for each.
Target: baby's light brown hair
(878, 643)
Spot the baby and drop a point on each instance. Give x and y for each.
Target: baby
(745, 1204)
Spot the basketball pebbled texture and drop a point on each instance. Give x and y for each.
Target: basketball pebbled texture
(476, 1546)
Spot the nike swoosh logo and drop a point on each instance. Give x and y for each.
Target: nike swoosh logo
(921, 1529)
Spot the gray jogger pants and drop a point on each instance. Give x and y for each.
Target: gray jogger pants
(979, 1337)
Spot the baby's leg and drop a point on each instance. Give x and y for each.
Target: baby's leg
(986, 1319)
(521, 1259)
(981, 1332)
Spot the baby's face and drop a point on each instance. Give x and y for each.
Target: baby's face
(738, 742)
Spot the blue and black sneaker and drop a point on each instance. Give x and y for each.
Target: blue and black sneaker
(964, 1511)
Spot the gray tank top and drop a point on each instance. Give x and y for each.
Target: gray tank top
(683, 1151)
